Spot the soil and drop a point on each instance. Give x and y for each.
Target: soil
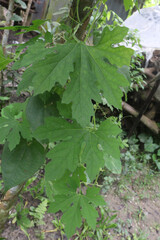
(135, 201)
(138, 209)
(12, 232)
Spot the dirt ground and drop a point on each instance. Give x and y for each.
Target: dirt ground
(135, 200)
(137, 205)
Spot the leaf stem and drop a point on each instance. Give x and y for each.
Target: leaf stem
(94, 122)
(92, 23)
(83, 20)
(77, 9)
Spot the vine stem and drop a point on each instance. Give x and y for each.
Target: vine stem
(83, 20)
(94, 119)
(94, 20)
(77, 7)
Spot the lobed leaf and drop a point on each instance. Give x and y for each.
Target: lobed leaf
(85, 71)
(12, 124)
(80, 145)
(75, 206)
(34, 53)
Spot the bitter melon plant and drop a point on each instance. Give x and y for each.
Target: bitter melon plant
(57, 122)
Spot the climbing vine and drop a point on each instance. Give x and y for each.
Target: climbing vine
(66, 81)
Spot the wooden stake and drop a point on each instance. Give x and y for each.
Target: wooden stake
(25, 19)
(145, 120)
(8, 24)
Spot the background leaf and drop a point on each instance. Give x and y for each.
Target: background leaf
(12, 123)
(21, 163)
(23, 5)
(4, 61)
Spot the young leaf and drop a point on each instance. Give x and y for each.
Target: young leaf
(21, 163)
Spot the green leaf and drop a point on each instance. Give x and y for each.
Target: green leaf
(102, 143)
(82, 88)
(57, 68)
(93, 196)
(75, 206)
(4, 61)
(20, 47)
(149, 146)
(85, 70)
(16, 18)
(112, 163)
(13, 110)
(4, 98)
(143, 137)
(25, 84)
(158, 152)
(65, 157)
(21, 163)
(70, 205)
(35, 26)
(39, 107)
(23, 5)
(35, 112)
(107, 46)
(88, 146)
(74, 213)
(128, 4)
(64, 110)
(32, 55)
(89, 213)
(69, 183)
(48, 37)
(12, 123)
